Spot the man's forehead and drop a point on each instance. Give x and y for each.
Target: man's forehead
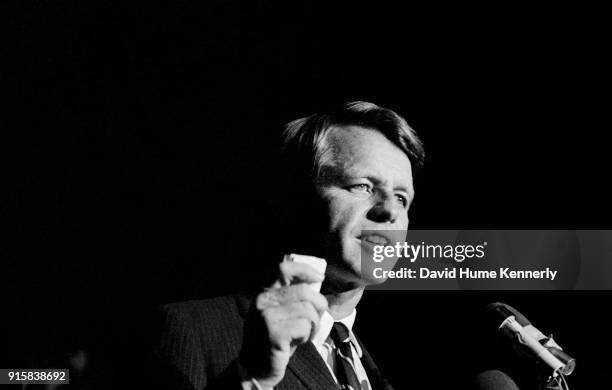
(350, 136)
(354, 149)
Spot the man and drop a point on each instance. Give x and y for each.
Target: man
(355, 167)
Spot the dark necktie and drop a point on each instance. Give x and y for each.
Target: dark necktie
(345, 373)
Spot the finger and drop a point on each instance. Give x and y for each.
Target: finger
(289, 294)
(277, 317)
(291, 272)
(298, 330)
(302, 309)
(294, 331)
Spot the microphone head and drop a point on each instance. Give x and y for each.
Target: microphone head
(494, 380)
(503, 311)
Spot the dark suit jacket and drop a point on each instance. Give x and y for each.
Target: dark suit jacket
(200, 342)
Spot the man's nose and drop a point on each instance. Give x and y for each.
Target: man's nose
(386, 210)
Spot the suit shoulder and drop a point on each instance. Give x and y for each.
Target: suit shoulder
(235, 306)
(200, 338)
(214, 318)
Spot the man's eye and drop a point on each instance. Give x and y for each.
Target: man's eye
(360, 188)
(402, 199)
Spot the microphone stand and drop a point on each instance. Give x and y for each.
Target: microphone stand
(553, 382)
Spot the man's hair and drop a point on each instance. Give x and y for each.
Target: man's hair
(304, 139)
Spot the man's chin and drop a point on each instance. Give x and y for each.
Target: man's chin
(342, 280)
(372, 281)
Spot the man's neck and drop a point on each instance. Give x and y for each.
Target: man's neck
(342, 304)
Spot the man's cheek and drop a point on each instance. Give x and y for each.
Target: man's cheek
(404, 222)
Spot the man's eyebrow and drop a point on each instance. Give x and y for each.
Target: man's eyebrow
(403, 188)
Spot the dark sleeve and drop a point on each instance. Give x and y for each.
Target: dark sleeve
(193, 351)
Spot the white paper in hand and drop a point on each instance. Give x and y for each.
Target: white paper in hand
(315, 262)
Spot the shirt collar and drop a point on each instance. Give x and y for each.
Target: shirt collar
(326, 324)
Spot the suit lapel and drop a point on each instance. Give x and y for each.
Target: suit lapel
(376, 379)
(309, 367)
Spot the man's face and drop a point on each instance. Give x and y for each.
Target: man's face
(365, 184)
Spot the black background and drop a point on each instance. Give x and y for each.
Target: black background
(137, 140)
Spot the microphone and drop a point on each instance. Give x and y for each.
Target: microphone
(494, 380)
(530, 341)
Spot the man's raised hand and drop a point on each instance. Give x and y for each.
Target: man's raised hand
(284, 315)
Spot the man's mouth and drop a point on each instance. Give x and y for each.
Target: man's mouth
(375, 239)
